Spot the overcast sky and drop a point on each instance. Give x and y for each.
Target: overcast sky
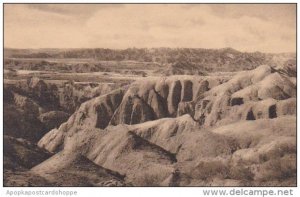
(266, 28)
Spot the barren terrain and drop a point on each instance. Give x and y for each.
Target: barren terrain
(149, 117)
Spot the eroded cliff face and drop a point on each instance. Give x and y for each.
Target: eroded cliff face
(33, 107)
(209, 100)
(190, 130)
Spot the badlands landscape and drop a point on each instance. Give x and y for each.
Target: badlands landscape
(149, 117)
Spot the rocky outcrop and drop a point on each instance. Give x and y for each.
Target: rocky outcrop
(249, 95)
(133, 110)
(212, 100)
(229, 128)
(95, 113)
(53, 119)
(205, 102)
(27, 105)
(165, 97)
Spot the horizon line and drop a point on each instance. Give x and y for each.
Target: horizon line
(78, 48)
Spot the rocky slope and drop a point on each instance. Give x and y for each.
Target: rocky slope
(119, 150)
(20, 153)
(69, 169)
(261, 93)
(19, 156)
(190, 130)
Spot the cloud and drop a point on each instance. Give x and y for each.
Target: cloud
(261, 27)
(283, 13)
(76, 10)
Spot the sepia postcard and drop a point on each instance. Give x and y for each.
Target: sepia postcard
(149, 95)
